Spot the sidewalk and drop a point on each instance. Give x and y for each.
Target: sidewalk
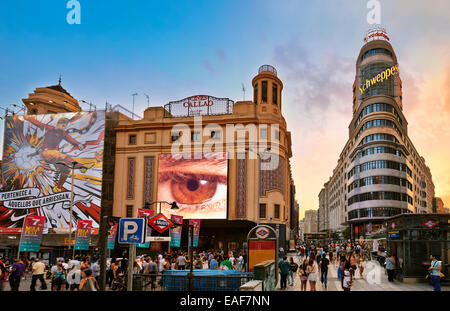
(359, 283)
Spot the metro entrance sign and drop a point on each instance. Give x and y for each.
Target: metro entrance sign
(160, 223)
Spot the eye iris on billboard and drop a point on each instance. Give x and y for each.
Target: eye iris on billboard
(197, 184)
(38, 156)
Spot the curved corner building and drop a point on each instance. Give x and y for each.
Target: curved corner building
(379, 173)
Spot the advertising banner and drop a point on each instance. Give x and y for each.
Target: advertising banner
(83, 234)
(40, 155)
(143, 212)
(196, 224)
(30, 240)
(197, 182)
(112, 236)
(175, 232)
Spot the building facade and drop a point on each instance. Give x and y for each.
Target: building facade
(200, 123)
(379, 172)
(311, 221)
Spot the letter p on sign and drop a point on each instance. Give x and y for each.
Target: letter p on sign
(130, 228)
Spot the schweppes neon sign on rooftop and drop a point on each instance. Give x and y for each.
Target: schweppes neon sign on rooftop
(384, 75)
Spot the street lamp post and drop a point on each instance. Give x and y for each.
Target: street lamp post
(134, 94)
(74, 163)
(257, 182)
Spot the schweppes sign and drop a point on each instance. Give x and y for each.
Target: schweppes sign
(379, 78)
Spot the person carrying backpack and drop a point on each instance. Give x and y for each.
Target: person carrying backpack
(88, 283)
(292, 270)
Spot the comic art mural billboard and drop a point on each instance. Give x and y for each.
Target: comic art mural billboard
(39, 153)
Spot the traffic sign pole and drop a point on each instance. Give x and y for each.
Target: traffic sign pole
(131, 258)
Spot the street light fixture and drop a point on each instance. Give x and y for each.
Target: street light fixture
(257, 187)
(74, 163)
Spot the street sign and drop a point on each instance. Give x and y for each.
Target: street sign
(394, 234)
(160, 223)
(430, 224)
(262, 232)
(131, 230)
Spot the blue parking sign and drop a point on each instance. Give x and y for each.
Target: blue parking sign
(131, 230)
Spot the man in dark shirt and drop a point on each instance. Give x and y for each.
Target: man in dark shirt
(324, 262)
(17, 270)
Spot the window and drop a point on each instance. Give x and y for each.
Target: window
(277, 135)
(276, 212)
(274, 94)
(195, 136)
(264, 91)
(215, 134)
(376, 51)
(129, 211)
(132, 139)
(262, 210)
(255, 93)
(263, 133)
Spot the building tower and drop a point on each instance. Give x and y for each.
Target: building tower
(51, 99)
(379, 173)
(386, 176)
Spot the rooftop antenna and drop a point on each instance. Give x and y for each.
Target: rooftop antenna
(243, 90)
(148, 100)
(134, 94)
(59, 80)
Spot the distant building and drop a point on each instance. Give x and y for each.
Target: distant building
(438, 206)
(301, 229)
(311, 223)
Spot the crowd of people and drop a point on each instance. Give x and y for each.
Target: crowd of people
(155, 265)
(69, 274)
(348, 258)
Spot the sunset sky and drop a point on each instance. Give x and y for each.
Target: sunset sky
(174, 49)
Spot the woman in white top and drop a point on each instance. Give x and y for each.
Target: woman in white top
(348, 279)
(205, 264)
(312, 271)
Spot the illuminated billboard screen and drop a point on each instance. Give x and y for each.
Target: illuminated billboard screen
(196, 182)
(40, 152)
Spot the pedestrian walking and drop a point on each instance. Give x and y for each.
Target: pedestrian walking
(59, 277)
(390, 267)
(17, 271)
(347, 280)
(88, 283)
(303, 275)
(3, 275)
(324, 262)
(362, 263)
(435, 272)
(37, 273)
(214, 264)
(292, 270)
(312, 272)
(96, 271)
(353, 263)
(284, 266)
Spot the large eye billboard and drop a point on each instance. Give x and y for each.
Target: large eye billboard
(41, 154)
(196, 182)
